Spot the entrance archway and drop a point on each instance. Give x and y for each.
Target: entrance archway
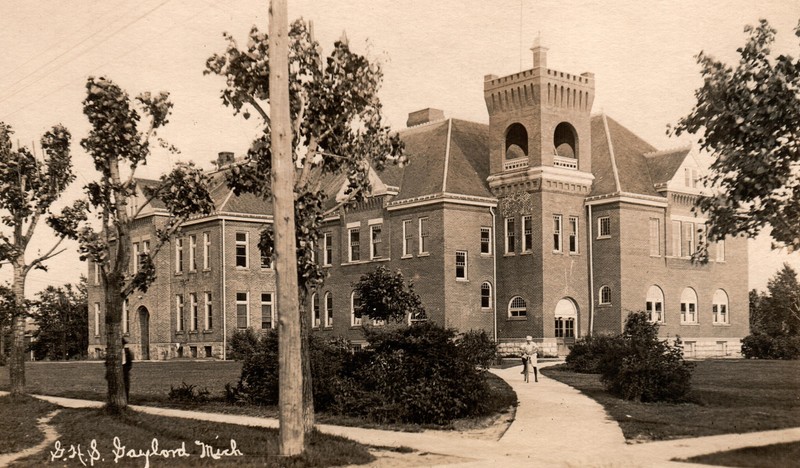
(566, 324)
(144, 329)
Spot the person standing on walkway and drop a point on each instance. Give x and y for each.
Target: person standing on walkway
(127, 363)
(530, 354)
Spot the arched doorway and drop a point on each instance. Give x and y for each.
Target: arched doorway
(144, 329)
(566, 324)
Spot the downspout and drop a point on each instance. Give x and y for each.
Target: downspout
(591, 272)
(494, 270)
(224, 297)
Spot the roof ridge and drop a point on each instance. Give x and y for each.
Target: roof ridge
(662, 152)
(423, 124)
(447, 153)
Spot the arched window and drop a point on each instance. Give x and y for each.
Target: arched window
(566, 314)
(605, 295)
(688, 306)
(315, 315)
(719, 307)
(355, 308)
(516, 141)
(565, 141)
(517, 307)
(328, 309)
(654, 304)
(486, 295)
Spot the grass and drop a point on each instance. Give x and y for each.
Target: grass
(19, 422)
(136, 431)
(777, 456)
(151, 382)
(727, 396)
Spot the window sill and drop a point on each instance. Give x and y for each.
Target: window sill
(328, 327)
(509, 254)
(380, 259)
(517, 319)
(604, 305)
(486, 309)
(424, 254)
(721, 324)
(690, 324)
(179, 332)
(558, 252)
(527, 252)
(206, 270)
(241, 268)
(603, 237)
(406, 256)
(193, 272)
(486, 254)
(575, 254)
(193, 332)
(462, 280)
(178, 273)
(329, 265)
(206, 332)
(355, 327)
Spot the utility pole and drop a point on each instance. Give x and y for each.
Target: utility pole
(290, 375)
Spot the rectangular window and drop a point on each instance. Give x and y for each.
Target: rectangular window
(193, 312)
(355, 245)
(461, 265)
(242, 253)
(376, 241)
(179, 319)
(316, 316)
(329, 310)
(209, 315)
(573, 234)
(126, 320)
(193, 253)
(687, 240)
(327, 255)
(96, 319)
(407, 236)
(266, 311)
(721, 250)
(423, 235)
(556, 233)
(569, 329)
(242, 312)
(655, 237)
(135, 258)
(178, 255)
(510, 247)
(603, 227)
(559, 327)
(206, 250)
(527, 233)
(486, 240)
(97, 273)
(676, 238)
(355, 310)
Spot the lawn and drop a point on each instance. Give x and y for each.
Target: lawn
(181, 442)
(151, 381)
(775, 456)
(727, 396)
(19, 422)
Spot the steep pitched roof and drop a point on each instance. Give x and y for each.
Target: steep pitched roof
(618, 160)
(663, 164)
(446, 156)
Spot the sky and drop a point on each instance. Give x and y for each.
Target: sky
(434, 54)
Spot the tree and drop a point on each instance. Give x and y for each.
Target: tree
(385, 296)
(7, 307)
(779, 310)
(116, 143)
(28, 188)
(62, 321)
(337, 131)
(747, 117)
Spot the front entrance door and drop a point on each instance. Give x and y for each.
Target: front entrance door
(144, 328)
(566, 319)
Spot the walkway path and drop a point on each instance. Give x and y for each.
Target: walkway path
(554, 425)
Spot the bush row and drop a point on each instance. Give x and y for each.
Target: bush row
(420, 374)
(763, 346)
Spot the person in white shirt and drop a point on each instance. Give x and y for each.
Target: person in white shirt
(530, 353)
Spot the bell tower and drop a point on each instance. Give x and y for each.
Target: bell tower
(539, 118)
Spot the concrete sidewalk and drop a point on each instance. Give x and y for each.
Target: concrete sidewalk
(554, 425)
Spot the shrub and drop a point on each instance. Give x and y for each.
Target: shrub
(639, 366)
(188, 393)
(476, 347)
(416, 374)
(242, 344)
(586, 353)
(763, 346)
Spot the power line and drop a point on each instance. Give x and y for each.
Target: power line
(23, 88)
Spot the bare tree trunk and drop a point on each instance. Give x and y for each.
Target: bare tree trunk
(16, 368)
(305, 353)
(290, 374)
(116, 400)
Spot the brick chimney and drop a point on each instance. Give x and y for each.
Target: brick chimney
(224, 158)
(539, 53)
(424, 116)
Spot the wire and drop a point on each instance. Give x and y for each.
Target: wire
(23, 88)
